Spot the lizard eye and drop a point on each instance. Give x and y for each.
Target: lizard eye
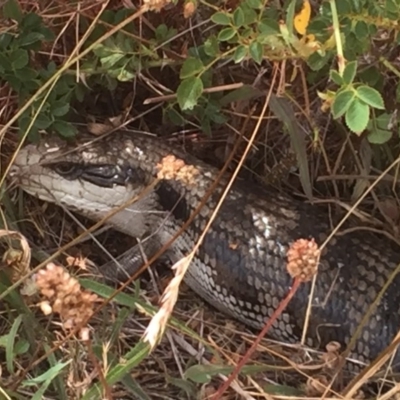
(65, 168)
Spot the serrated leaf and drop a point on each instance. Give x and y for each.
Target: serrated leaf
(221, 18)
(383, 121)
(357, 116)
(335, 77)
(342, 102)
(19, 58)
(226, 34)
(240, 53)
(189, 92)
(379, 136)
(12, 10)
(238, 18)
(349, 72)
(191, 67)
(370, 96)
(256, 51)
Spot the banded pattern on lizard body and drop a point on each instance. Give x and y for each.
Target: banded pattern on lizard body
(240, 267)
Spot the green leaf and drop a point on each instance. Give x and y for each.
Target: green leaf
(109, 61)
(256, 51)
(26, 74)
(43, 121)
(256, 4)
(12, 10)
(5, 64)
(221, 18)
(250, 16)
(101, 51)
(226, 34)
(10, 344)
(379, 136)
(282, 390)
(47, 376)
(189, 92)
(64, 128)
(211, 46)
(244, 93)
(384, 120)
(191, 67)
(335, 77)
(19, 58)
(175, 117)
(268, 27)
(370, 96)
(238, 18)
(5, 40)
(59, 109)
(357, 116)
(31, 21)
(317, 61)
(30, 38)
(349, 72)
(124, 75)
(342, 102)
(290, 14)
(361, 30)
(204, 373)
(240, 53)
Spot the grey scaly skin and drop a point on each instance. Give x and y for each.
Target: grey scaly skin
(240, 267)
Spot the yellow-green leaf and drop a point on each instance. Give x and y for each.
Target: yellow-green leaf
(189, 92)
(357, 116)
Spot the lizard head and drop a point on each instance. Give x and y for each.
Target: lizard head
(89, 176)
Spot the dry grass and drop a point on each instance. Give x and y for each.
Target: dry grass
(199, 334)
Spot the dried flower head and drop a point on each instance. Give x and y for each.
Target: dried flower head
(303, 257)
(175, 168)
(64, 296)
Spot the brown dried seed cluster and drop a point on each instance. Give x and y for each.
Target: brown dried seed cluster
(303, 258)
(175, 168)
(64, 296)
